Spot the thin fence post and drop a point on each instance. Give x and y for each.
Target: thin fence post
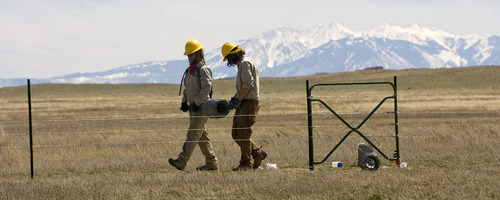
(31, 129)
(309, 127)
(396, 122)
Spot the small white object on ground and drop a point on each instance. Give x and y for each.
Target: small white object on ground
(271, 166)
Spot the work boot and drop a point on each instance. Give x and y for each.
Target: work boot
(206, 168)
(242, 168)
(257, 160)
(176, 163)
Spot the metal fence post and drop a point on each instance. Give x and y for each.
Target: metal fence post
(396, 123)
(309, 123)
(30, 129)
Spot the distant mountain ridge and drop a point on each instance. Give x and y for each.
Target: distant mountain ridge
(285, 52)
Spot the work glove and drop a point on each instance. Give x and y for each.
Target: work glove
(184, 107)
(194, 107)
(234, 103)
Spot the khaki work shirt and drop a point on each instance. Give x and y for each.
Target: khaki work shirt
(197, 88)
(248, 77)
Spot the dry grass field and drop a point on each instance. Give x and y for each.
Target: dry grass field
(96, 141)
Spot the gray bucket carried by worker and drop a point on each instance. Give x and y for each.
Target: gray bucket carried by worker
(216, 108)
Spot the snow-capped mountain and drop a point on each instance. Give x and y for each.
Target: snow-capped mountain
(284, 52)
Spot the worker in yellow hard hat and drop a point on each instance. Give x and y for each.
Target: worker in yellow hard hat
(198, 84)
(246, 103)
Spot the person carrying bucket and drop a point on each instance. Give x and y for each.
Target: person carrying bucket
(198, 82)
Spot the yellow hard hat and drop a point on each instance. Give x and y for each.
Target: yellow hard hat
(192, 46)
(227, 47)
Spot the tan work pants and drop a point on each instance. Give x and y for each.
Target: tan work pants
(244, 117)
(197, 136)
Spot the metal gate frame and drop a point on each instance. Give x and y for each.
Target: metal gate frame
(353, 129)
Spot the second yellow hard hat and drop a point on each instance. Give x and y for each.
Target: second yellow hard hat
(227, 47)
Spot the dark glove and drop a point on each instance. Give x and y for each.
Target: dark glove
(194, 107)
(184, 107)
(234, 102)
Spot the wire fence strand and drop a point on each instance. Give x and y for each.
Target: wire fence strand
(261, 115)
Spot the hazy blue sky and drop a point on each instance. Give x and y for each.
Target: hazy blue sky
(46, 38)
